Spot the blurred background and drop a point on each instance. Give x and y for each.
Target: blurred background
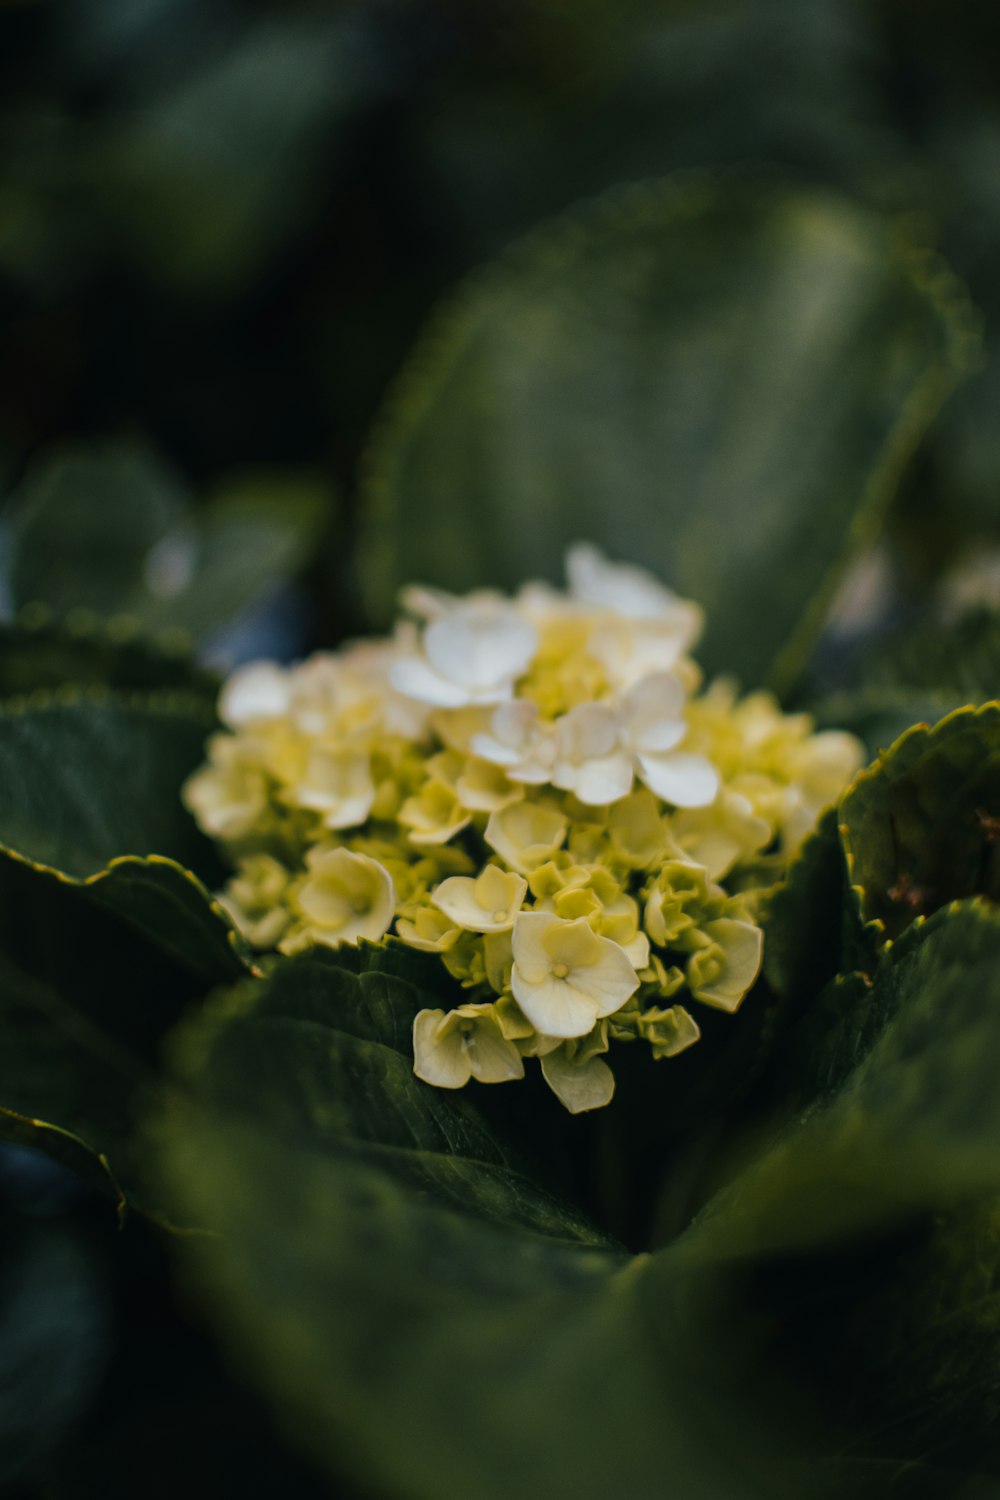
(222, 223)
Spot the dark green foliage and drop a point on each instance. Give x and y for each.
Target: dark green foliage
(720, 379)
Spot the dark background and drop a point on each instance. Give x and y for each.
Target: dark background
(221, 226)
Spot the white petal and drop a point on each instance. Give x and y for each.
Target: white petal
(620, 587)
(554, 1006)
(261, 690)
(528, 943)
(493, 1060)
(579, 1086)
(637, 951)
(600, 782)
(608, 983)
(415, 679)
(488, 748)
(587, 731)
(439, 1059)
(652, 712)
(480, 646)
(684, 780)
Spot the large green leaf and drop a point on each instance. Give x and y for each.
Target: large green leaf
(893, 1107)
(384, 1258)
(83, 523)
(377, 1254)
(108, 528)
(919, 676)
(105, 935)
(719, 380)
(36, 651)
(920, 826)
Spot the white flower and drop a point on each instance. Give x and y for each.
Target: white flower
(565, 978)
(717, 837)
(255, 693)
(652, 721)
(337, 784)
(620, 588)
(517, 741)
(229, 796)
(488, 903)
(472, 653)
(526, 834)
(589, 759)
(450, 1047)
(820, 767)
(346, 897)
(644, 628)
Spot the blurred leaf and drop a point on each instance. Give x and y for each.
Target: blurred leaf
(99, 953)
(87, 777)
(105, 527)
(83, 523)
(252, 536)
(53, 1336)
(626, 91)
(811, 931)
(38, 652)
(721, 381)
(208, 176)
(920, 827)
(918, 676)
(356, 1281)
(896, 1111)
(380, 1252)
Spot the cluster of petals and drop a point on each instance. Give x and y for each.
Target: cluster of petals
(536, 790)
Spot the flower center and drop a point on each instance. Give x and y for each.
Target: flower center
(559, 971)
(359, 906)
(500, 915)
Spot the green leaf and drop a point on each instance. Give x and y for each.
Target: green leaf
(804, 918)
(255, 533)
(206, 180)
(83, 523)
(919, 676)
(895, 1112)
(107, 528)
(87, 777)
(920, 826)
(381, 1253)
(101, 948)
(37, 652)
(721, 381)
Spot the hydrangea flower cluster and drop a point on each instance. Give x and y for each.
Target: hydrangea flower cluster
(537, 789)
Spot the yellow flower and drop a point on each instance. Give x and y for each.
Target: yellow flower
(487, 904)
(576, 1073)
(450, 1047)
(430, 930)
(721, 973)
(669, 1031)
(229, 796)
(565, 977)
(344, 898)
(337, 784)
(526, 834)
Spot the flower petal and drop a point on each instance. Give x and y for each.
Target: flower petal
(438, 1054)
(579, 1086)
(684, 780)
